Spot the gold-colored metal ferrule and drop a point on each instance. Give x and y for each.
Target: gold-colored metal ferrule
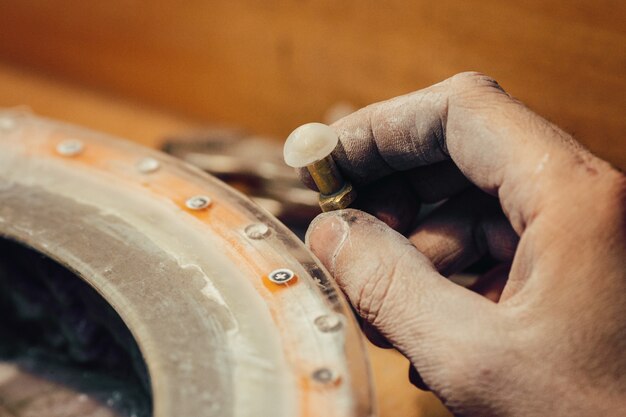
(335, 192)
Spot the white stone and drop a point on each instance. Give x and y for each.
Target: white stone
(309, 143)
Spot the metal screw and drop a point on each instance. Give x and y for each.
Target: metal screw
(324, 376)
(148, 165)
(281, 276)
(257, 231)
(71, 147)
(328, 323)
(198, 202)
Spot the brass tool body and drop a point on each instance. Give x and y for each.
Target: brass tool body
(335, 192)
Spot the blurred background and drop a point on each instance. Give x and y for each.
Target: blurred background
(271, 65)
(151, 71)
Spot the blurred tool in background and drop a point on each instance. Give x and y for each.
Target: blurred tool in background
(254, 165)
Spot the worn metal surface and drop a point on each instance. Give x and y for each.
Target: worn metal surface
(218, 336)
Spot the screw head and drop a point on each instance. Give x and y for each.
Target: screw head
(198, 202)
(328, 323)
(324, 376)
(257, 231)
(147, 165)
(281, 276)
(70, 147)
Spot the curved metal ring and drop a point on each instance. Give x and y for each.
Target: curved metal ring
(190, 280)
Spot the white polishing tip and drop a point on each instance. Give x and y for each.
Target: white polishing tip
(309, 143)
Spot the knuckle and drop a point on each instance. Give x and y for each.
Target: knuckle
(474, 90)
(473, 80)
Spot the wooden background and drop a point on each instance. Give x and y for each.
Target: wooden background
(143, 69)
(271, 65)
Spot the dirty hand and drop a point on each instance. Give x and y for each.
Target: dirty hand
(542, 334)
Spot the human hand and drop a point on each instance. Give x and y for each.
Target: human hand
(544, 334)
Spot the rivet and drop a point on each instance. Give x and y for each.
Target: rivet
(147, 165)
(71, 147)
(7, 123)
(281, 276)
(328, 323)
(257, 231)
(198, 202)
(324, 376)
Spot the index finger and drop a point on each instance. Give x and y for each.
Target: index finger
(497, 143)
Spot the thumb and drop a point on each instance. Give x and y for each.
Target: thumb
(438, 325)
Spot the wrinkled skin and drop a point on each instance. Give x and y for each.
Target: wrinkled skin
(544, 333)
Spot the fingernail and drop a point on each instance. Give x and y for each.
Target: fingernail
(326, 236)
